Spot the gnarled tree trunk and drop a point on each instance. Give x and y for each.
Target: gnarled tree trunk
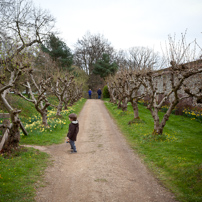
(44, 118)
(14, 133)
(59, 108)
(135, 109)
(124, 104)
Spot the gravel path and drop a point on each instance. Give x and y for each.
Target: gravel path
(105, 169)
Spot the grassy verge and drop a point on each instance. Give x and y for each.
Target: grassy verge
(21, 171)
(175, 157)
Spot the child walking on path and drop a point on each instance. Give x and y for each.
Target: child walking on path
(73, 131)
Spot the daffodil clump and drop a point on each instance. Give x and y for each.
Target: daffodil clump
(34, 124)
(165, 109)
(193, 114)
(121, 113)
(142, 102)
(165, 137)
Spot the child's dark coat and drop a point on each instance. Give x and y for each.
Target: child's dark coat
(73, 130)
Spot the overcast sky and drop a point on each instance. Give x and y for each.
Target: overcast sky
(127, 23)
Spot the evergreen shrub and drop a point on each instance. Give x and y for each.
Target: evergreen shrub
(106, 92)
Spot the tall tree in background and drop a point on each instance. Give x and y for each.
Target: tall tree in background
(22, 26)
(143, 58)
(121, 59)
(104, 67)
(59, 52)
(88, 51)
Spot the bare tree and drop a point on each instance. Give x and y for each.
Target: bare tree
(9, 73)
(40, 101)
(129, 78)
(125, 88)
(60, 90)
(117, 86)
(134, 83)
(21, 26)
(171, 84)
(122, 91)
(111, 84)
(90, 49)
(75, 92)
(143, 58)
(121, 60)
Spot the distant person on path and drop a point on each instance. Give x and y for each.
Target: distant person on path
(99, 92)
(89, 93)
(73, 131)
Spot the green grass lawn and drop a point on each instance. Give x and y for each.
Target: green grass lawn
(21, 171)
(175, 157)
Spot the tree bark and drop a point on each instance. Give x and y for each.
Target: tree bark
(59, 108)
(124, 104)
(119, 104)
(13, 134)
(44, 118)
(65, 107)
(135, 109)
(158, 130)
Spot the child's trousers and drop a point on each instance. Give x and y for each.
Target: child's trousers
(72, 143)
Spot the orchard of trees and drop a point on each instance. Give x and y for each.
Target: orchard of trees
(33, 59)
(144, 78)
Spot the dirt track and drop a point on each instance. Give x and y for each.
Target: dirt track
(105, 169)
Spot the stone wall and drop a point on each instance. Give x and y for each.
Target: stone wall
(162, 81)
